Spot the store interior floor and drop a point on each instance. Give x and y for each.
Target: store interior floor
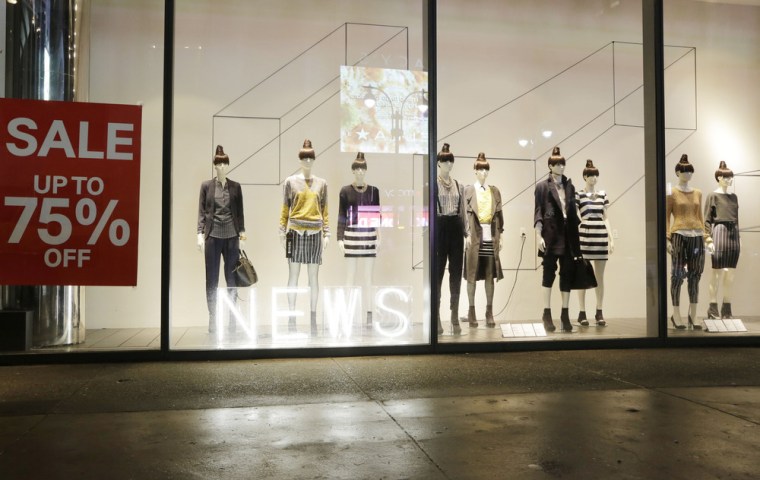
(687, 413)
(198, 338)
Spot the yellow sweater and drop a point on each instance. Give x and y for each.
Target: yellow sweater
(686, 210)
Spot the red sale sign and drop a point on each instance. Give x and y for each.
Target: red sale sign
(69, 193)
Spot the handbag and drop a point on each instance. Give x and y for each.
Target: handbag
(581, 273)
(245, 274)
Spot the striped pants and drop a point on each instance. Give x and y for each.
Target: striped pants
(688, 263)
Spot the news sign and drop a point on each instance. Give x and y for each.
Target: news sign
(69, 193)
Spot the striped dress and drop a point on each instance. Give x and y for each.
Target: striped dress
(358, 220)
(592, 231)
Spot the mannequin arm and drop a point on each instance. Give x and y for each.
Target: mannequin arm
(342, 248)
(541, 242)
(282, 240)
(610, 238)
(325, 241)
(201, 242)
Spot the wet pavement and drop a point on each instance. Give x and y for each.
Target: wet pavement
(688, 413)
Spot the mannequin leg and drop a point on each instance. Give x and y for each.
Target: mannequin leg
(490, 322)
(472, 319)
(212, 257)
(368, 267)
(547, 316)
(582, 319)
(677, 276)
(565, 314)
(715, 281)
(351, 263)
(728, 287)
(313, 270)
(599, 266)
(294, 269)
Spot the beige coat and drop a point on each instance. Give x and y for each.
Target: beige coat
(471, 273)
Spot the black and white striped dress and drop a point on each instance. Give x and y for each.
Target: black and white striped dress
(592, 231)
(358, 220)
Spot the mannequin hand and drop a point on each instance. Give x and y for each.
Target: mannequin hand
(467, 242)
(611, 245)
(500, 245)
(241, 244)
(282, 241)
(342, 248)
(669, 246)
(325, 241)
(711, 248)
(241, 240)
(541, 244)
(201, 242)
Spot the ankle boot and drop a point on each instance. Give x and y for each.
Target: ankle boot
(455, 322)
(564, 317)
(582, 318)
(547, 319)
(712, 311)
(471, 318)
(599, 318)
(314, 329)
(725, 311)
(490, 322)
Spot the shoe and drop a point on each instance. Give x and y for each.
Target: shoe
(712, 311)
(547, 319)
(455, 328)
(694, 326)
(600, 319)
(471, 318)
(677, 326)
(490, 322)
(582, 318)
(564, 317)
(725, 311)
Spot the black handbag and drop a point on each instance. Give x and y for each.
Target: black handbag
(581, 273)
(245, 274)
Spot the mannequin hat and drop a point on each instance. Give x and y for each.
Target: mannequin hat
(590, 170)
(445, 155)
(307, 151)
(556, 157)
(359, 162)
(683, 165)
(481, 163)
(220, 156)
(723, 171)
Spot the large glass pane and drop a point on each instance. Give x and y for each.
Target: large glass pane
(257, 78)
(712, 60)
(515, 80)
(113, 54)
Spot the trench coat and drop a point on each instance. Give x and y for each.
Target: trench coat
(471, 272)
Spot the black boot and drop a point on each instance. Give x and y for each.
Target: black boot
(564, 317)
(582, 318)
(712, 311)
(725, 311)
(547, 319)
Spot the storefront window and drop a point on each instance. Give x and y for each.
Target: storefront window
(711, 64)
(321, 116)
(516, 80)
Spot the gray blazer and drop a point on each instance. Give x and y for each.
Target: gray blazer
(206, 206)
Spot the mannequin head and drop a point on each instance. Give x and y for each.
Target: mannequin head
(359, 168)
(724, 175)
(221, 162)
(684, 169)
(556, 162)
(482, 168)
(306, 155)
(445, 160)
(590, 173)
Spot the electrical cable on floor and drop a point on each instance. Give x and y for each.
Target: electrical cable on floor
(517, 271)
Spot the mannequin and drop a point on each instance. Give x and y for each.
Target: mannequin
(358, 234)
(221, 231)
(485, 223)
(304, 229)
(687, 236)
(722, 220)
(557, 235)
(595, 238)
(450, 235)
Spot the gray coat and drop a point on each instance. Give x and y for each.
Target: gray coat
(476, 232)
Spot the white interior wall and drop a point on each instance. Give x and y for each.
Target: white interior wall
(489, 53)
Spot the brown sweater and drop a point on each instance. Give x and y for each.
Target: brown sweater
(686, 209)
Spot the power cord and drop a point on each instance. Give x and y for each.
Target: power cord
(517, 270)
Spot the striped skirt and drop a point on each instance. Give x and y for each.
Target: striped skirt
(594, 239)
(306, 248)
(360, 241)
(727, 247)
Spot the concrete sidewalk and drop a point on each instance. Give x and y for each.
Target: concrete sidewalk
(613, 414)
